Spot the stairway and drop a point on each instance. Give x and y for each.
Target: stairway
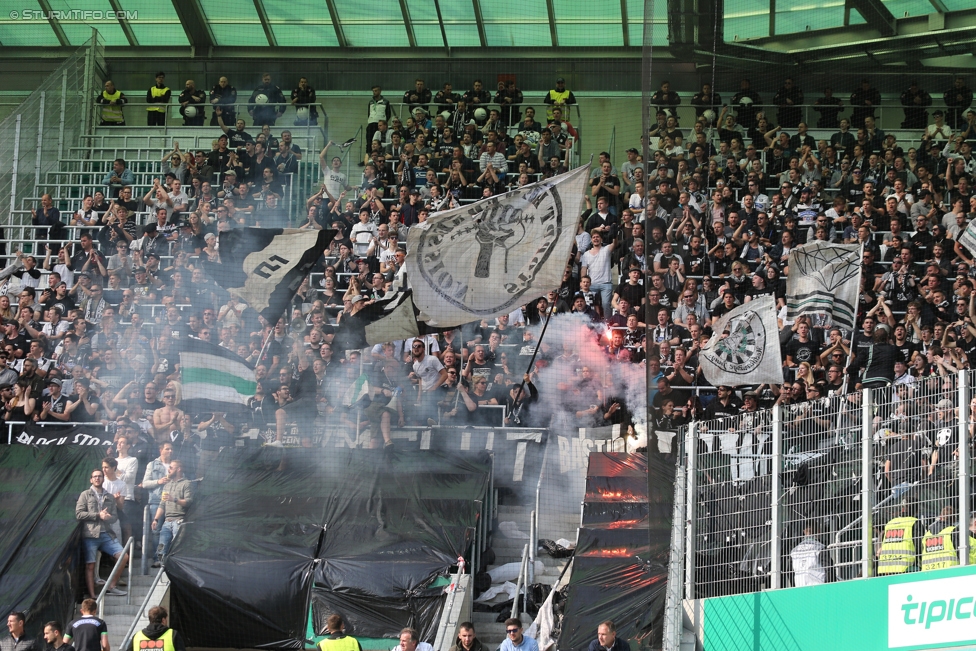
(118, 615)
(509, 550)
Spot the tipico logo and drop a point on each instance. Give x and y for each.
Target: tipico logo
(939, 612)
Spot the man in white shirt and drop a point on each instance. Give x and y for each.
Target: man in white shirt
(429, 374)
(493, 163)
(410, 641)
(595, 263)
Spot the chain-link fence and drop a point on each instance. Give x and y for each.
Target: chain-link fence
(807, 492)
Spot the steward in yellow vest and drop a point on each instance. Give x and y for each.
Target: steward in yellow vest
(337, 641)
(158, 98)
(900, 545)
(112, 101)
(158, 635)
(559, 96)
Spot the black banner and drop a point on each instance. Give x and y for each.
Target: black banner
(39, 535)
(94, 435)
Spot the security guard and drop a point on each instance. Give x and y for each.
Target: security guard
(112, 101)
(558, 96)
(940, 546)
(337, 641)
(158, 635)
(901, 544)
(158, 98)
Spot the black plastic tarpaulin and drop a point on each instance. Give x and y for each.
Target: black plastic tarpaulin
(620, 566)
(39, 536)
(357, 532)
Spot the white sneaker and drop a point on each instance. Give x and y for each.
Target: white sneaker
(115, 592)
(275, 444)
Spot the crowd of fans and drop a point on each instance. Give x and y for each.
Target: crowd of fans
(101, 317)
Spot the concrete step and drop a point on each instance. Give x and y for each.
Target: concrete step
(117, 627)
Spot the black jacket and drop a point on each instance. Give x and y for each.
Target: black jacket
(155, 631)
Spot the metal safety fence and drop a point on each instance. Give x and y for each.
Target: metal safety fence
(36, 135)
(824, 476)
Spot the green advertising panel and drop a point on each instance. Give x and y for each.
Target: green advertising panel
(931, 610)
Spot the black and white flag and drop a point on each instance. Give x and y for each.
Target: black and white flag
(490, 257)
(745, 347)
(824, 279)
(265, 266)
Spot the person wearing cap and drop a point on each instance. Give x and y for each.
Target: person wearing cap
(158, 98)
(558, 96)
(55, 404)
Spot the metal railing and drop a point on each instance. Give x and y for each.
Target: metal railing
(35, 135)
(521, 583)
(136, 110)
(126, 556)
(889, 114)
(828, 472)
(127, 638)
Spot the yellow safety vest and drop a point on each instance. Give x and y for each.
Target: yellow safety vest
(158, 92)
(557, 98)
(938, 551)
(898, 546)
(142, 643)
(344, 643)
(112, 112)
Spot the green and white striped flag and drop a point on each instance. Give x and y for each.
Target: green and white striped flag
(359, 389)
(214, 379)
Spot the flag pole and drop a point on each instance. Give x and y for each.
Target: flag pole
(850, 353)
(264, 346)
(538, 345)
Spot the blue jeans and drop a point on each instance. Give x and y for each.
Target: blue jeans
(166, 535)
(606, 296)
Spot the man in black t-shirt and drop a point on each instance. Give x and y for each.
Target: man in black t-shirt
(54, 636)
(88, 632)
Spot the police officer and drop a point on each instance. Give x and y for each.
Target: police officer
(337, 640)
(915, 100)
(158, 631)
(901, 543)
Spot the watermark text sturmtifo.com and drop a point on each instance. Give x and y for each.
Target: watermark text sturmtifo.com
(72, 14)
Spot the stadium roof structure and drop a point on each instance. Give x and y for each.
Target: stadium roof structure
(937, 33)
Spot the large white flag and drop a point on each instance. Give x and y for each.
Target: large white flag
(968, 237)
(824, 279)
(750, 353)
(487, 258)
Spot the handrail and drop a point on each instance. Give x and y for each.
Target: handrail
(127, 639)
(238, 107)
(146, 538)
(838, 544)
(519, 582)
(127, 555)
